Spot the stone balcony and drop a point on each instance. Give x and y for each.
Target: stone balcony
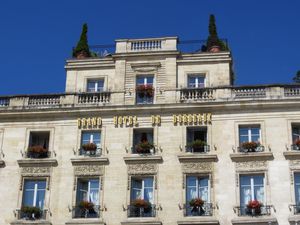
(180, 95)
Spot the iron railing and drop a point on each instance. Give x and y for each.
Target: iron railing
(134, 211)
(42, 215)
(246, 211)
(150, 151)
(195, 46)
(198, 149)
(38, 155)
(296, 209)
(295, 147)
(90, 153)
(93, 212)
(260, 148)
(205, 210)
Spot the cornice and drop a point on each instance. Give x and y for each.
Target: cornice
(90, 161)
(291, 155)
(197, 158)
(143, 159)
(37, 162)
(252, 156)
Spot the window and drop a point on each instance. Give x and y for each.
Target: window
(196, 81)
(142, 197)
(87, 199)
(249, 134)
(198, 188)
(90, 143)
(95, 85)
(144, 89)
(251, 188)
(297, 189)
(296, 137)
(34, 193)
(143, 141)
(197, 139)
(38, 146)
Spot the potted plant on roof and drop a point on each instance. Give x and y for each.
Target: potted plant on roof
(197, 146)
(254, 207)
(82, 50)
(31, 212)
(37, 151)
(250, 146)
(214, 44)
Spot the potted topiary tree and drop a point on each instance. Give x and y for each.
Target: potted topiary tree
(214, 44)
(82, 50)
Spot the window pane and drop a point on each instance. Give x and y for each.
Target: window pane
(258, 180)
(94, 184)
(40, 199)
(295, 133)
(191, 181)
(28, 198)
(297, 187)
(191, 81)
(91, 136)
(148, 182)
(140, 80)
(29, 185)
(255, 130)
(243, 131)
(191, 192)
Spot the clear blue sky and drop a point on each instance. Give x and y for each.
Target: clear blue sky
(37, 36)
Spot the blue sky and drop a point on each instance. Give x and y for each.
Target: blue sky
(37, 36)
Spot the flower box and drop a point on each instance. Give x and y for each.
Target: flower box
(37, 151)
(250, 146)
(86, 205)
(141, 203)
(196, 202)
(197, 145)
(31, 212)
(254, 207)
(145, 90)
(89, 147)
(144, 147)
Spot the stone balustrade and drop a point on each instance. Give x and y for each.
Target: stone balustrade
(184, 95)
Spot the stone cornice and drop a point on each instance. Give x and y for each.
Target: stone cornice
(254, 220)
(252, 156)
(37, 162)
(141, 221)
(31, 222)
(90, 161)
(199, 221)
(198, 157)
(85, 221)
(291, 155)
(143, 159)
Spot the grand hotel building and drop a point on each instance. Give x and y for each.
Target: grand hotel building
(150, 135)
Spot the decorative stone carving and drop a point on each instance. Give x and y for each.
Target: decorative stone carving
(142, 169)
(35, 171)
(88, 170)
(197, 167)
(295, 164)
(251, 166)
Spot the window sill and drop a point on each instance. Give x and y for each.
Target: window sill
(33, 162)
(141, 221)
(254, 220)
(31, 222)
(197, 157)
(292, 155)
(251, 156)
(198, 220)
(90, 160)
(86, 221)
(294, 218)
(143, 158)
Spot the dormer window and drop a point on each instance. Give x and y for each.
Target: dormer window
(95, 85)
(196, 81)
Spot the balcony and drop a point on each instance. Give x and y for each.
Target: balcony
(261, 211)
(37, 217)
(90, 153)
(205, 210)
(243, 149)
(292, 153)
(134, 211)
(242, 154)
(197, 149)
(37, 158)
(79, 212)
(197, 94)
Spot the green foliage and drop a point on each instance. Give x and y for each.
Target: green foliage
(31, 210)
(197, 143)
(296, 78)
(213, 39)
(82, 45)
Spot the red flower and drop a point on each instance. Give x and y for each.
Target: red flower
(254, 204)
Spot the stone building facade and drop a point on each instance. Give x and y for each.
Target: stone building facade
(151, 135)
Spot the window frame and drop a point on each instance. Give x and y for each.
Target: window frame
(88, 179)
(95, 80)
(198, 177)
(142, 178)
(51, 131)
(196, 76)
(145, 76)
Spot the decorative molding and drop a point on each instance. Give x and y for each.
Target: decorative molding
(199, 221)
(197, 167)
(35, 171)
(148, 168)
(253, 156)
(37, 162)
(197, 158)
(140, 159)
(294, 164)
(89, 161)
(141, 221)
(251, 166)
(88, 170)
(145, 67)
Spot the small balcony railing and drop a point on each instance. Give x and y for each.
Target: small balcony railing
(4, 102)
(151, 151)
(38, 155)
(261, 211)
(295, 209)
(44, 100)
(198, 149)
(90, 153)
(94, 98)
(295, 147)
(93, 212)
(134, 211)
(197, 94)
(250, 92)
(260, 148)
(41, 215)
(205, 210)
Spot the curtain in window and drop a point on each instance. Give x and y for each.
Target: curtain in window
(88, 191)
(197, 187)
(34, 193)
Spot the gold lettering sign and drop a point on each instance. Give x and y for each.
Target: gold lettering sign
(189, 119)
(89, 123)
(126, 121)
(155, 120)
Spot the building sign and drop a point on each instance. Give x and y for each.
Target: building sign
(89, 123)
(185, 119)
(155, 120)
(127, 121)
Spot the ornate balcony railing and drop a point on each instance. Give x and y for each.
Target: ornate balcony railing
(93, 212)
(261, 211)
(205, 210)
(4, 102)
(151, 151)
(295, 147)
(94, 98)
(90, 153)
(250, 92)
(44, 100)
(198, 149)
(292, 91)
(295, 208)
(133, 211)
(260, 148)
(197, 94)
(38, 155)
(21, 215)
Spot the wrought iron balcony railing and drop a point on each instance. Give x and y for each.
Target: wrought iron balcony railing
(150, 151)
(205, 210)
(90, 153)
(197, 149)
(260, 148)
(261, 211)
(296, 209)
(295, 147)
(134, 211)
(38, 155)
(41, 215)
(93, 212)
